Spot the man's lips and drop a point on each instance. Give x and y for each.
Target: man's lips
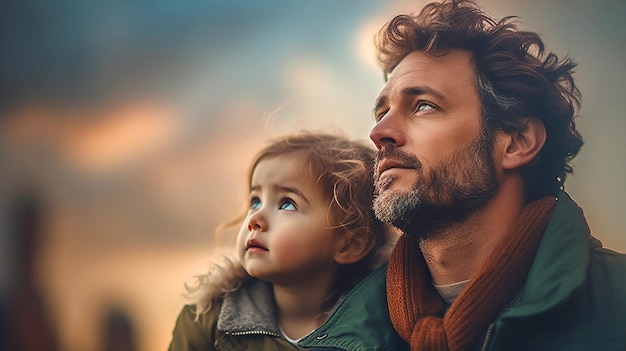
(255, 244)
(387, 164)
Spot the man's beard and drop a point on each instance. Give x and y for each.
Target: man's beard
(444, 197)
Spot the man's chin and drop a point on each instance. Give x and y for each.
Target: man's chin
(392, 206)
(395, 183)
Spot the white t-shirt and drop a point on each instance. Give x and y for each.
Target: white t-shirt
(450, 292)
(329, 313)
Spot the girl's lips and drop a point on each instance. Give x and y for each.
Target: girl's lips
(255, 245)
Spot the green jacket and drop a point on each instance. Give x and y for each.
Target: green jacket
(575, 294)
(245, 320)
(574, 299)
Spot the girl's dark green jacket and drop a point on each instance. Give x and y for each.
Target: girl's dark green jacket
(245, 320)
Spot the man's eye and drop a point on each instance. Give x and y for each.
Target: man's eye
(288, 205)
(379, 115)
(424, 106)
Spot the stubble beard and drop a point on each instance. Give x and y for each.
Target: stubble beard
(441, 198)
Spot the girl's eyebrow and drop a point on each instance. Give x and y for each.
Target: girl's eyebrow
(292, 190)
(284, 189)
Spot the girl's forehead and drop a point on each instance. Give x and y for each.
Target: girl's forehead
(291, 166)
(290, 173)
(292, 159)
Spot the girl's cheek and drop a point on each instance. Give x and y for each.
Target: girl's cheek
(242, 237)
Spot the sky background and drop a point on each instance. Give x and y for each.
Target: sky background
(134, 124)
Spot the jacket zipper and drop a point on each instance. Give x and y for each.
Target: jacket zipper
(487, 335)
(254, 332)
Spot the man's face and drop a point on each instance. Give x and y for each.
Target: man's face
(434, 166)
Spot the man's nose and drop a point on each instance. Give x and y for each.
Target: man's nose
(388, 131)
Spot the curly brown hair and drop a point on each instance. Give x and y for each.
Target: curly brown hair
(516, 78)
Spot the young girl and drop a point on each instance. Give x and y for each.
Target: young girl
(308, 237)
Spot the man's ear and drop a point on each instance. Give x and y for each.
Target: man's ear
(523, 146)
(354, 247)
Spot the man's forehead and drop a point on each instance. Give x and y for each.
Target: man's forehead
(454, 64)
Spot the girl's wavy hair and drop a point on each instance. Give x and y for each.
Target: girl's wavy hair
(344, 171)
(516, 78)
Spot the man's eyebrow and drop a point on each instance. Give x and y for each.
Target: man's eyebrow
(380, 101)
(419, 90)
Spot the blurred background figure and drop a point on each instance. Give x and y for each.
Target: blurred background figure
(130, 125)
(118, 331)
(28, 327)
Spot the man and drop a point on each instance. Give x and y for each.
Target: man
(475, 133)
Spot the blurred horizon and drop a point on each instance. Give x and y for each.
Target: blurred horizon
(131, 125)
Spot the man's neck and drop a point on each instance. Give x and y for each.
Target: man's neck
(458, 252)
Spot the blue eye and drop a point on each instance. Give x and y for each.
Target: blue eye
(288, 205)
(255, 203)
(424, 106)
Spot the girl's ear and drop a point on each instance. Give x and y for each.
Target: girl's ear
(523, 146)
(354, 248)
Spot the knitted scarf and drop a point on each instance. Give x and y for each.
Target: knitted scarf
(416, 309)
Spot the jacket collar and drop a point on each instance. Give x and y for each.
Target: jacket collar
(251, 308)
(361, 322)
(561, 261)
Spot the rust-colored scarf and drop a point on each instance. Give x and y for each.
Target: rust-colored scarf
(416, 309)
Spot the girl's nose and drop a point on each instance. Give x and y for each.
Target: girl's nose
(257, 222)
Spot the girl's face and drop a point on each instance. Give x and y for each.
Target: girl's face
(286, 237)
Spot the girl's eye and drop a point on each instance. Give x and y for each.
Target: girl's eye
(255, 203)
(424, 106)
(288, 205)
